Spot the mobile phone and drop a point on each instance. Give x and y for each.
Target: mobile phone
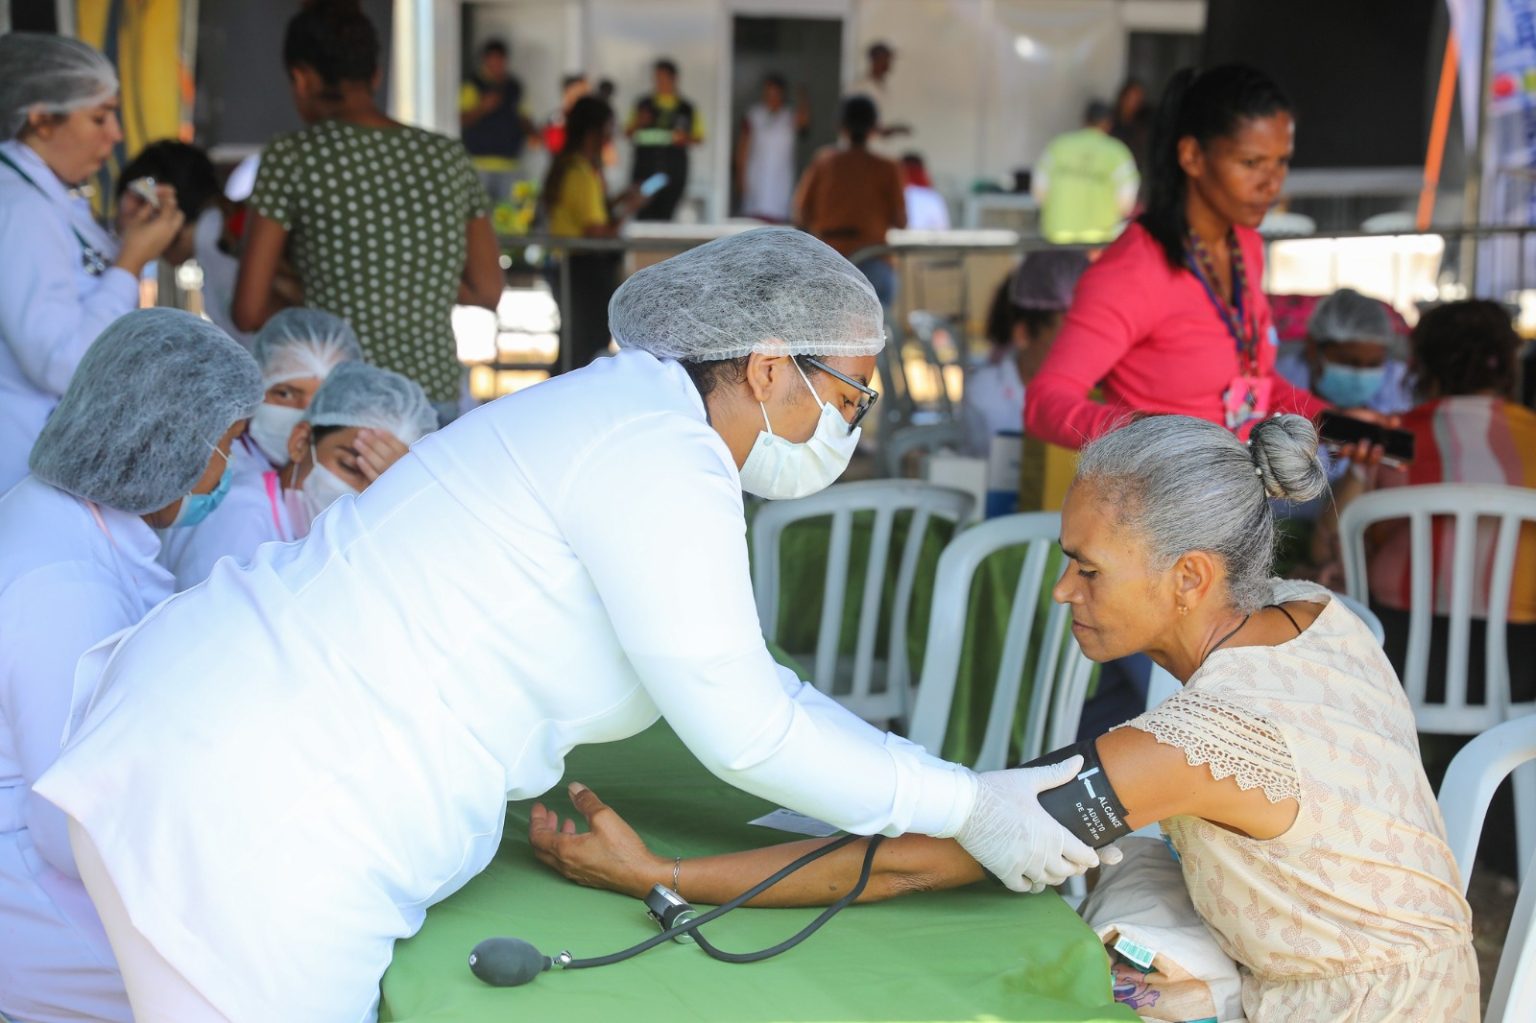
(1337, 428)
(653, 184)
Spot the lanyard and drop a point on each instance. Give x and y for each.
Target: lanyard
(92, 258)
(1233, 316)
(117, 552)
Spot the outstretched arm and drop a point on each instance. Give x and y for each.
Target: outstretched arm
(611, 855)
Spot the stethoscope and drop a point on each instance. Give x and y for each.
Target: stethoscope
(94, 261)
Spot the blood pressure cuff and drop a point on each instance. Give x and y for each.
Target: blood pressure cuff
(1087, 805)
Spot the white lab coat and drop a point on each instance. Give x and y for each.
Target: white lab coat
(51, 306)
(284, 767)
(770, 170)
(65, 584)
(254, 512)
(993, 402)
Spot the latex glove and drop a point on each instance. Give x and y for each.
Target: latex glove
(1012, 836)
(1110, 854)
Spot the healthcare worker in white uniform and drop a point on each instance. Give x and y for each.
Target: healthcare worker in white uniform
(139, 442)
(281, 769)
(63, 277)
(361, 421)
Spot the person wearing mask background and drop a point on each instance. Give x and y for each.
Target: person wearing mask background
(1026, 317)
(765, 151)
(1347, 358)
(65, 276)
(140, 442)
(260, 811)
(1085, 182)
(361, 422)
(849, 197)
(662, 128)
(1172, 317)
(417, 238)
(576, 205)
(492, 122)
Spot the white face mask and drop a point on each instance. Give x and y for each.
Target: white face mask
(321, 488)
(271, 426)
(781, 469)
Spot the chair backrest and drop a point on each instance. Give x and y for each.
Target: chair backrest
(1469, 784)
(923, 439)
(1061, 675)
(884, 500)
(1465, 505)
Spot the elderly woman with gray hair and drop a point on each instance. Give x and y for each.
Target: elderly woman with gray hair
(140, 442)
(1286, 773)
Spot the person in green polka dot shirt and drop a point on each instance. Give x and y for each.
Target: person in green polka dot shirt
(386, 225)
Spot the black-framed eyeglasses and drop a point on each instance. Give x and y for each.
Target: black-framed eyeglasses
(870, 394)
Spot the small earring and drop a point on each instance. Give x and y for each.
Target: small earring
(1183, 610)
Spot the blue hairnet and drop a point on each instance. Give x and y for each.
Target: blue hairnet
(51, 73)
(1347, 315)
(357, 394)
(299, 343)
(139, 421)
(1046, 279)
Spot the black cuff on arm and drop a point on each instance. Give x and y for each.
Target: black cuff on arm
(1087, 805)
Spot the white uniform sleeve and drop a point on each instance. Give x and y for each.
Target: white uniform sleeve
(830, 711)
(43, 319)
(654, 513)
(51, 617)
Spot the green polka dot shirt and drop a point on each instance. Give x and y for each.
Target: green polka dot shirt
(376, 220)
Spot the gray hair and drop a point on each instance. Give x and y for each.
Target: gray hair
(1187, 485)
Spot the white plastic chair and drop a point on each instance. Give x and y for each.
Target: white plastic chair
(1466, 504)
(1062, 672)
(1469, 784)
(877, 690)
(924, 439)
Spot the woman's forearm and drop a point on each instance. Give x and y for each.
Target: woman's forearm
(909, 863)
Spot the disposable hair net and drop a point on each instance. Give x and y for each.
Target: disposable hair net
(774, 290)
(148, 403)
(52, 73)
(1347, 315)
(298, 343)
(1045, 280)
(357, 394)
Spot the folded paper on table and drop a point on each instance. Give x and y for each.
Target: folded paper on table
(795, 823)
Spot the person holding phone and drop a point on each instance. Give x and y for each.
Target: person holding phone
(576, 205)
(1172, 317)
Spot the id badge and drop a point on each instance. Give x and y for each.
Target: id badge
(1246, 401)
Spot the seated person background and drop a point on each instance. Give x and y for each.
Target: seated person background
(361, 421)
(1286, 773)
(1350, 355)
(139, 442)
(296, 350)
(190, 174)
(1025, 318)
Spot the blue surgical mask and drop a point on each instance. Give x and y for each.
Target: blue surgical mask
(1349, 386)
(197, 507)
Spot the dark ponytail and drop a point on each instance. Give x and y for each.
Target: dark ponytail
(587, 116)
(1204, 105)
(334, 39)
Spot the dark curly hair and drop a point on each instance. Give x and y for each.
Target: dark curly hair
(334, 39)
(1465, 348)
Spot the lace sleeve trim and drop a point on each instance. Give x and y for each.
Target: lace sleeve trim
(1230, 741)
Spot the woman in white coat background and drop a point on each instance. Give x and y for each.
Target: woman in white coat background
(361, 421)
(63, 277)
(261, 804)
(140, 441)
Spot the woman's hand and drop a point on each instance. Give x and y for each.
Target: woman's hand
(377, 450)
(610, 855)
(145, 231)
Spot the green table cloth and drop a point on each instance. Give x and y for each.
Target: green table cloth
(971, 954)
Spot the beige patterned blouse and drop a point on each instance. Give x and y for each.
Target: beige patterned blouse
(1355, 913)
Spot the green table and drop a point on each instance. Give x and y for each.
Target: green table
(976, 953)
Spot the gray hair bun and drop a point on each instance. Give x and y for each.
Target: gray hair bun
(1284, 448)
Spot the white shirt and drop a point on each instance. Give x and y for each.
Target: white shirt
(926, 209)
(51, 307)
(254, 512)
(770, 170)
(993, 402)
(288, 764)
(66, 583)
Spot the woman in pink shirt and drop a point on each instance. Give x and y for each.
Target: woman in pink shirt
(1172, 317)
